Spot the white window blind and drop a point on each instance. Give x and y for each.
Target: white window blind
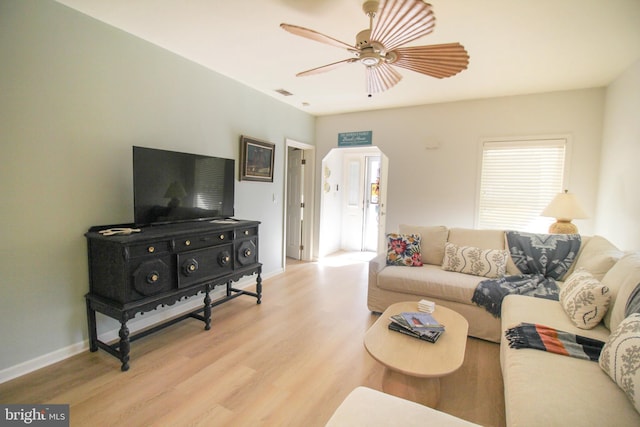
(518, 180)
(209, 183)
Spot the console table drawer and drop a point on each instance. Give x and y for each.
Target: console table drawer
(152, 277)
(246, 232)
(246, 252)
(150, 248)
(204, 264)
(198, 241)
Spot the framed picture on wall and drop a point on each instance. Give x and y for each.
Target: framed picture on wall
(256, 159)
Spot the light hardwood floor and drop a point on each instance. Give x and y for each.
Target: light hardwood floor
(289, 361)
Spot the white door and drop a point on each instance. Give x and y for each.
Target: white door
(295, 186)
(382, 203)
(371, 203)
(353, 203)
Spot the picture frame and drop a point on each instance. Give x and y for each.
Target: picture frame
(256, 159)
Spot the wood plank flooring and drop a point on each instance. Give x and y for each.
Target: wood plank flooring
(289, 361)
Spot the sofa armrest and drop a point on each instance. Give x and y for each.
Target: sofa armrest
(377, 263)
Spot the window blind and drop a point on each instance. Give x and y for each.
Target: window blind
(208, 185)
(518, 180)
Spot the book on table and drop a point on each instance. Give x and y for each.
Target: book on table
(420, 320)
(429, 330)
(431, 337)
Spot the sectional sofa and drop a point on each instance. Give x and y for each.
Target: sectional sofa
(541, 387)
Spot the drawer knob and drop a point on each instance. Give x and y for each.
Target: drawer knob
(247, 252)
(153, 277)
(187, 242)
(246, 232)
(190, 266)
(151, 249)
(224, 258)
(222, 237)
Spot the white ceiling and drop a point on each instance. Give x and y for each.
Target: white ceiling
(516, 46)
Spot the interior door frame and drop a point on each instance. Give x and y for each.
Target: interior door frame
(328, 242)
(309, 197)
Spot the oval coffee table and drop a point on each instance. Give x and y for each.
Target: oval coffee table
(413, 367)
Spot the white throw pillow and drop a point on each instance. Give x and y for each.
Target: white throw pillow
(490, 263)
(584, 299)
(620, 357)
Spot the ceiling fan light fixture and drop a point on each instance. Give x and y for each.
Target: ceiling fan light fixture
(369, 58)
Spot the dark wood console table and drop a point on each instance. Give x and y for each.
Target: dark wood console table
(160, 265)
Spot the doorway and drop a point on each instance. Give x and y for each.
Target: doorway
(299, 196)
(352, 211)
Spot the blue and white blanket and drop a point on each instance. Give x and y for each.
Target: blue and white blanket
(541, 258)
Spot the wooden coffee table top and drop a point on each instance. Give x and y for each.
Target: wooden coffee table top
(412, 356)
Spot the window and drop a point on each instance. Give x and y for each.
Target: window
(518, 180)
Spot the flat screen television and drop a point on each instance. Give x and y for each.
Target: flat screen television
(169, 186)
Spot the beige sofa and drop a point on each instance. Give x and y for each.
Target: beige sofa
(548, 389)
(390, 284)
(541, 388)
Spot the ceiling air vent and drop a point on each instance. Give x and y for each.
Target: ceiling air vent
(284, 92)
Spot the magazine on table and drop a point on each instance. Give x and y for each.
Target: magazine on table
(431, 337)
(407, 320)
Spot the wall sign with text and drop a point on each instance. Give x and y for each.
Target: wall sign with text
(352, 139)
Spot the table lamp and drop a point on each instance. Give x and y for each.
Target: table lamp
(175, 192)
(564, 207)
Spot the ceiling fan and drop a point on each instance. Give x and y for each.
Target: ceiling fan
(392, 23)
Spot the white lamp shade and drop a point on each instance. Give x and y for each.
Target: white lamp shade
(565, 206)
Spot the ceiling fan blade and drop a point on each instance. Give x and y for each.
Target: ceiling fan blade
(401, 21)
(316, 36)
(325, 68)
(441, 60)
(381, 77)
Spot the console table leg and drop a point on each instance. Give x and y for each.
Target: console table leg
(91, 323)
(259, 288)
(124, 343)
(207, 309)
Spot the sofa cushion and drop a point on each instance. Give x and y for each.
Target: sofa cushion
(403, 250)
(621, 281)
(490, 263)
(432, 240)
(544, 389)
(597, 256)
(484, 239)
(620, 358)
(584, 299)
(429, 281)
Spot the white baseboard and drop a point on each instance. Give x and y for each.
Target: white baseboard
(149, 319)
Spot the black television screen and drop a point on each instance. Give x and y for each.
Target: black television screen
(170, 186)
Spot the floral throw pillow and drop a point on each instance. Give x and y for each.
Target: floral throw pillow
(620, 357)
(403, 249)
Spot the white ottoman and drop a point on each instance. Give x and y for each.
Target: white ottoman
(368, 407)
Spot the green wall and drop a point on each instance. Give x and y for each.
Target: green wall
(75, 95)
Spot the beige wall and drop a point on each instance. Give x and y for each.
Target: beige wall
(434, 149)
(75, 95)
(618, 213)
